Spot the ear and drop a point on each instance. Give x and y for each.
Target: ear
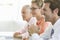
(56, 11)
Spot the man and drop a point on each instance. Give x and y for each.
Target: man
(51, 9)
(27, 16)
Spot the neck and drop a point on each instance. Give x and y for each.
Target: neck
(55, 19)
(28, 19)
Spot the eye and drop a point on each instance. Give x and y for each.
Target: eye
(23, 12)
(34, 8)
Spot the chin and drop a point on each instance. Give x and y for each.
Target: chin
(33, 15)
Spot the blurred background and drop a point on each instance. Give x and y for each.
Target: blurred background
(10, 15)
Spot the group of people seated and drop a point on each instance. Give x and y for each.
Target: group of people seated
(43, 22)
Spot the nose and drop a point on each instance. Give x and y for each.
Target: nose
(42, 11)
(32, 11)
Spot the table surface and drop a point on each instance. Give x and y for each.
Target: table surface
(9, 38)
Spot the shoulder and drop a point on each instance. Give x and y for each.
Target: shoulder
(49, 25)
(57, 22)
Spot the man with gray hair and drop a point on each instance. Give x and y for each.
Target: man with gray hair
(27, 16)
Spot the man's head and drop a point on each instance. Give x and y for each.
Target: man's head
(36, 5)
(51, 9)
(26, 12)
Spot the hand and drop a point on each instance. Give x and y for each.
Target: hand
(16, 35)
(32, 29)
(26, 39)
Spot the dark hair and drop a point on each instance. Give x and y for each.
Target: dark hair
(54, 4)
(38, 2)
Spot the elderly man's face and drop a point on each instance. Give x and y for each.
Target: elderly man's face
(26, 13)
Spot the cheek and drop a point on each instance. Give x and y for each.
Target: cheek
(33, 12)
(27, 16)
(47, 13)
(36, 11)
(24, 16)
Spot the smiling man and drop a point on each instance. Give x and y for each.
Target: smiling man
(51, 10)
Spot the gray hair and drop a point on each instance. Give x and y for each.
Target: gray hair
(27, 7)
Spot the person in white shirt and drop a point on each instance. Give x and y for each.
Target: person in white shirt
(27, 16)
(51, 10)
(56, 35)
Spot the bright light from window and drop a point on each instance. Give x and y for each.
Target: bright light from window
(11, 9)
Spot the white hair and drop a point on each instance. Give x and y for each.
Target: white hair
(27, 7)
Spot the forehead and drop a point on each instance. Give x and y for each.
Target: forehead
(24, 9)
(34, 5)
(46, 5)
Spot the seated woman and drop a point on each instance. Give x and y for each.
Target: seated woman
(41, 23)
(44, 27)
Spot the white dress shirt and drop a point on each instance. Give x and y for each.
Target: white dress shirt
(56, 27)
(56, 35)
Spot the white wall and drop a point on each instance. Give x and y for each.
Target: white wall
(10, 10)
(11, 26)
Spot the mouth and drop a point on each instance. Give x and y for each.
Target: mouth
(23, 17)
